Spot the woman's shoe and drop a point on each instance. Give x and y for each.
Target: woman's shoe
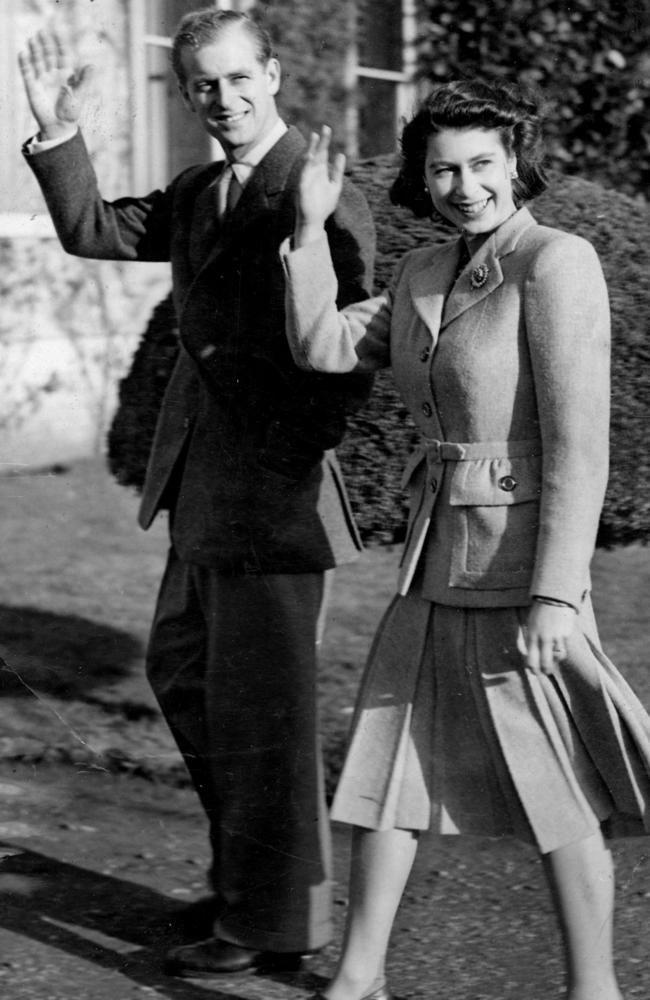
(381, 993)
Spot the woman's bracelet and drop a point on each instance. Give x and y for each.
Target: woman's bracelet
(554, 602)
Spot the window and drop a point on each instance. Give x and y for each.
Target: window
(165, 136)
(385, 71)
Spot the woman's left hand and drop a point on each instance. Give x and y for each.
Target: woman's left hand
(320, 186)
(548, 630)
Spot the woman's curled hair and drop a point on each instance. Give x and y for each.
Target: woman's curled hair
(472, 104)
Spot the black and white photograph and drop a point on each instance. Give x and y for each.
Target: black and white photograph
(325, 500)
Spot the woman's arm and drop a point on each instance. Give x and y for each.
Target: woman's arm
(320, 337)
(568, 330)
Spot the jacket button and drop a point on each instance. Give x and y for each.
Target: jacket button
(426, 409)
(507, 483)
(186, 423)
(425, 354)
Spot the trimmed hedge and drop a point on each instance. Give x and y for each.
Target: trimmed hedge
(380, 436)
(589, 59)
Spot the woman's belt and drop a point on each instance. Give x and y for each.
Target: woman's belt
(434, 452)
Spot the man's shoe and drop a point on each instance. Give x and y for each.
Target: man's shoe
(196, 920)
(215, 957)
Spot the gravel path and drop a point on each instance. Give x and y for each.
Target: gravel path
(93, 867)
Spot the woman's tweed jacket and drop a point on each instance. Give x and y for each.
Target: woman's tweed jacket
(506, 375)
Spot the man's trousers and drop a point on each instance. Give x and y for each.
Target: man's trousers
(232, 662)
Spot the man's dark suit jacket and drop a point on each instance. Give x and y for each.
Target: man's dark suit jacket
(242, 447)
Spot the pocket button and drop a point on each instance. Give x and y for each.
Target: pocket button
(507, 483)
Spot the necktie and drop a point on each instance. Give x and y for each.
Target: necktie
(229, 191)
(232, 195)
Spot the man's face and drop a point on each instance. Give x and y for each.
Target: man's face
(231, 91)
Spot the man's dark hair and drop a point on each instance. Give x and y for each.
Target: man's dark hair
(201, 27)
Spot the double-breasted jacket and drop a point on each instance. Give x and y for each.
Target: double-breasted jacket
(242, 448)
(505, 371)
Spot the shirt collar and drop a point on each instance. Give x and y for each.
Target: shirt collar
(242, 169)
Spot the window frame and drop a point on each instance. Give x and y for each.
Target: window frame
(405, 89)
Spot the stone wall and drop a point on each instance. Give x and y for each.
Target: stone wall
(68, 327)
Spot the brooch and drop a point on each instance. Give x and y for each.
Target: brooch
(479, 276)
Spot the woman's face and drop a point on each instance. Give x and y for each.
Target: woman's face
(469, 176)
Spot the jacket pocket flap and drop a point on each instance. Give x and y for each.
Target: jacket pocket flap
(494, 482)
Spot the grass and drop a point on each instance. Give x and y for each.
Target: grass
(77, 592)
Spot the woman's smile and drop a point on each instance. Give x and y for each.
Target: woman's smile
(473, 208)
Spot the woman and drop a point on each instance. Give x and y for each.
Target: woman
(487, 706)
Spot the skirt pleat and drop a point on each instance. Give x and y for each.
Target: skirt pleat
(453, 733)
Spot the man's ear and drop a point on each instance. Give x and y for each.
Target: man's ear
(185, 97)
(273, 76)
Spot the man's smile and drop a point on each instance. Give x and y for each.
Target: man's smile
(229, 118)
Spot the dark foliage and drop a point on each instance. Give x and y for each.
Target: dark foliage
(380, 437)
(308, 42)
(140, 393)
(591, 60)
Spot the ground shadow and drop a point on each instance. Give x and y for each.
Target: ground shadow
(62, 655)
(121, 926)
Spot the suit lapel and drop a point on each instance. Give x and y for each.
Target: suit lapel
(271, 175)
(483, 274)
(267, 180)
(205, 227)
(430, 285)
(480, 276)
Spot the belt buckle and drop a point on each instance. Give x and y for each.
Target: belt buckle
(434, 451)
(451, 452)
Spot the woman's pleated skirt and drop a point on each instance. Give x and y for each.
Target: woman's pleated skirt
(453, 733)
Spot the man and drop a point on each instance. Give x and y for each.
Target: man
(241, 459)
